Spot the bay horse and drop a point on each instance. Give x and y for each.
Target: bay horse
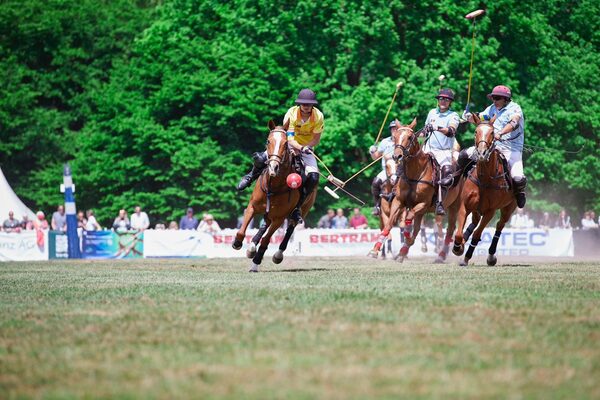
(486, 189)
(273, 198)
(415, 189)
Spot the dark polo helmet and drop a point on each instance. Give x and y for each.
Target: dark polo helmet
(392, 124)
(307, 96)
(447, 93)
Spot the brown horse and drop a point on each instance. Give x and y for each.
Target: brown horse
(387, 191)
(415, 190)
(273, 198)
(486, 190)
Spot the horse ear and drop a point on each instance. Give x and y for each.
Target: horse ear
(476, 118)
(493, 119)
(271, 124)
(413, 123)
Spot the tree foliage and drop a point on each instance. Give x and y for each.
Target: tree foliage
(162, 105)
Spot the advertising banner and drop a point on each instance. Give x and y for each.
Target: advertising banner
(109, 244)
(58, 245)
(23, 246)
(182, 243)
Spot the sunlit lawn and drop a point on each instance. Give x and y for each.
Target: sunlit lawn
(308, 328)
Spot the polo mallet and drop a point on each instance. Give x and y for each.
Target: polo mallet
(398, 86)
(340, 185)
(472, 16)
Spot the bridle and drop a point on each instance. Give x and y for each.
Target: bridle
(489, 148)
(276, 157)
(405, 150)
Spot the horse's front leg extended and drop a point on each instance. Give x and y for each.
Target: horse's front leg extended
(241, 234)
(395, 209)
(264, 243)
(412, 223)
(487, 217)
(505, 214)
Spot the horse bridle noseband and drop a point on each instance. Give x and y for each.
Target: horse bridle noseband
(277, 157)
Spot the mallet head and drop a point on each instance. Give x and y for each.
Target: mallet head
(399, 85)
(474, 14)
(332, 193)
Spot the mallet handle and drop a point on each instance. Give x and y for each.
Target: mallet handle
(398, 86)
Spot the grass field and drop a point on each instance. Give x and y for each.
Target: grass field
(309, 328)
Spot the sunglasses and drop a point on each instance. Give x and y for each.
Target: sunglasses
(496, 98)
(444, 99)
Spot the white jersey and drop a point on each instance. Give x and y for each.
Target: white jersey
(386, 147)
(512, 141)
(437, 140)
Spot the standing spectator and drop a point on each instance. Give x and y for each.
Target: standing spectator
(139, 219)
(173, 226)
(339, 221)
(587, 222)
(520, 220)
(188, 221)
(358, 221)
(59, 219)
(41, 223)
(81, 220)
(92, 224)
(326, 220)
(26, 224)
(121, 223)
(563, 221)
(11, 224)
(209, 225)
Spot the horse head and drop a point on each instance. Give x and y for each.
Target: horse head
(390, 171)
(405, 140)
(484, 138)
(276, 148)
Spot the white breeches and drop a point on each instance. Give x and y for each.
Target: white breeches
(514, 158)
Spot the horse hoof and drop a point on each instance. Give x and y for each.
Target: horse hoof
(373, 254)
(251, 250)
(439, 260)
(458, 250)
(253, 268)
(491, 260)
(236, 244)
(464, 263)
(278, 257)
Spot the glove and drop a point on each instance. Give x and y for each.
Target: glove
(429, 128)
(372, 149)
(467, 115)
(306, 149)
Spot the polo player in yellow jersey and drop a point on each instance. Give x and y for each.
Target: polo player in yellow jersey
(304, 124)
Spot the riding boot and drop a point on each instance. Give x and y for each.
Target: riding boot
(376, 192)
(439, 207)
(463, 162)
(445, 182)
(519, 184)
(260, 162)
(309, 185)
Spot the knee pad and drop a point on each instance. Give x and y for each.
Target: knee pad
(376, 184)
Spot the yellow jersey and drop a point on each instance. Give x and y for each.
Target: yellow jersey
(303, 132)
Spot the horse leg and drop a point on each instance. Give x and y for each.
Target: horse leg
(415, 215)
(452, 214)
(439, 223)
(487, 217)
(251, 250)
(278, 256)
(423, 239)
(241, 234)
(505, 214)
(394, 213)
(459, 248)
(264, 243)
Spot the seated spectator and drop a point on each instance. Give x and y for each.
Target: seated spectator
(326, 220)
(587, 222)
(11, 224)
(160, 226)
(173, 226)
(358, 221)
(520, 220)
(26, 224)
(121, 223)
(92, 224)
(41, 223)
(339, 221)
(188, 221)
(209, 225)
(563, 221)
(139, 219)
(81, 220)
(545, 223)
(59, 219)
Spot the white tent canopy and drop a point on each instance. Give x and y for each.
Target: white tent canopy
(9, 201)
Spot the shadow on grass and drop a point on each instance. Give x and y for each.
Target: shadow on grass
(298, 270)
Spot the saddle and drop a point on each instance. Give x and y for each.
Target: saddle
(502, 159)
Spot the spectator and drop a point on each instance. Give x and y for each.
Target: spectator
(339, 221)
(520, 220)
(188, 221)
(59, 219)
(92, 224)
(173, 226)
(545, 223)
(139, 219)
(326, 220)
(563, 221)
(209, 225)
(26, 224)
(160, 226)
(41, 223)
(121, 223)
(358, 221)
(11, 224)
(587, 222)
(81, 220)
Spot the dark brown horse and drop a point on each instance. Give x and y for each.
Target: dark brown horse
(415, 190)
(273, 198)
(486, 190)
